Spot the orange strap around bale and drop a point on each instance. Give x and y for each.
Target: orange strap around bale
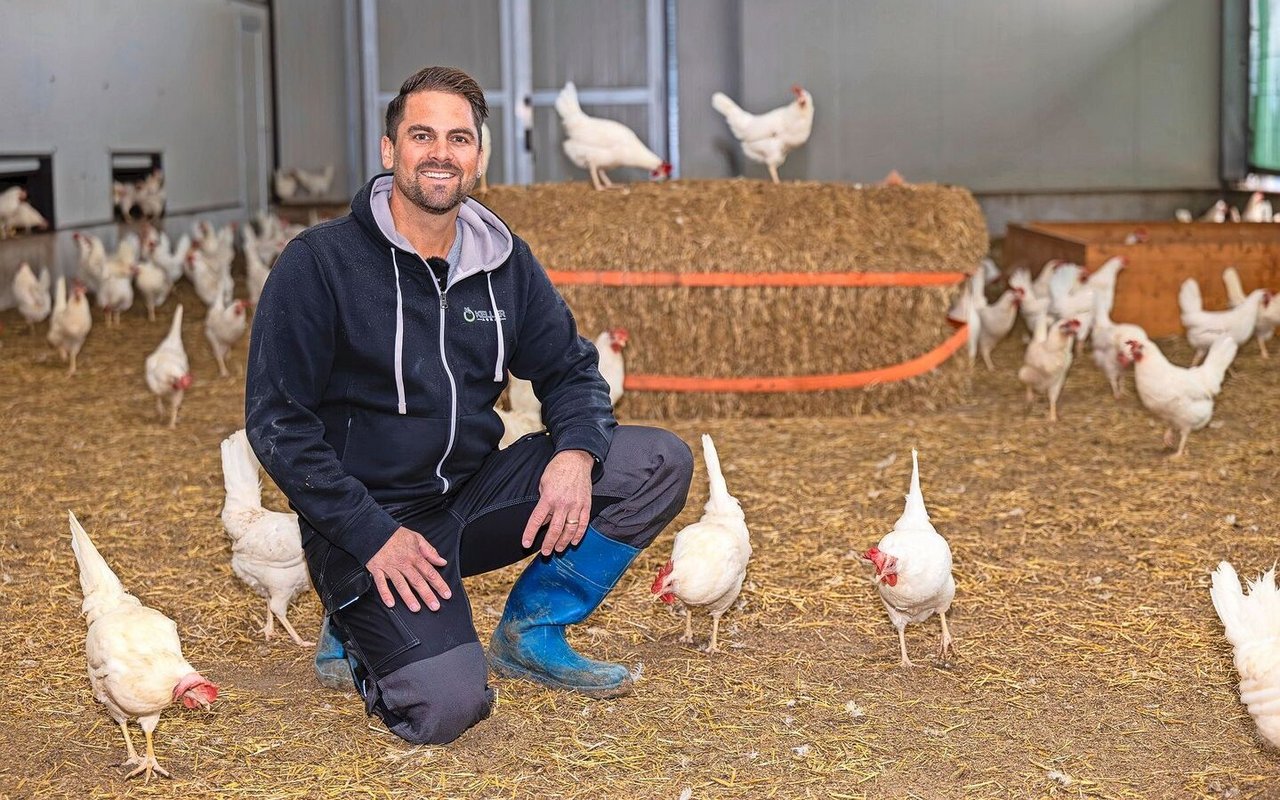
(802, 383)
(714, 279)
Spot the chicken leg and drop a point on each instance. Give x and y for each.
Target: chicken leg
(128, 743)
(1182, 443)
(1262, 346)
(222, 365)
(773, 173)
(174, 402)
(595, 178)
(715, 629)
(944, 646)
(148, 763)
(688, 627)
(277, 610)
(902, 646)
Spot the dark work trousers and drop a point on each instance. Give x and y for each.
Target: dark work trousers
(424, 672)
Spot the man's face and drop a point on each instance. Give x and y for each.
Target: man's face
(436, 154)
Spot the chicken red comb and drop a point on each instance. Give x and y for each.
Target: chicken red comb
(666, 597)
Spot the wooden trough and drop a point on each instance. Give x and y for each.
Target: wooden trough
(1171, 252)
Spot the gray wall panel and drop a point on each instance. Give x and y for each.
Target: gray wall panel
(1031, 96)
(314, 111)
(460, 33)
(708, 52)
(85, 78)
(595, 43)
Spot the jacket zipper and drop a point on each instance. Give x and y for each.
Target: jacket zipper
(453, 386)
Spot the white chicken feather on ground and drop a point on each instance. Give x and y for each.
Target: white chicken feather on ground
(596, 144)
(32, 294)
(1268, 313)
(709, 558)
(167, 371)
(913, 570)
(266, 546)
(1180, 396)
(69, 322)
(1252, 623)
(769, 137)
(1047, 361)
(136, 666)
(1205, 327)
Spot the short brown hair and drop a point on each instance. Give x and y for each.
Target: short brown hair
(438, 79)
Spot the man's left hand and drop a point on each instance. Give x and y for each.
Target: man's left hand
(564, 505)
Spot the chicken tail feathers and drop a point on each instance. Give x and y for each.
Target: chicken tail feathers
(1221, 353)
(60, 296)
(1250, 617)
(915, 498)
(721, 102)
(567, 102)
(1189, 300)
(99, 584)
(175, 328)
(240, 471)
(1235, 289)
(720, 501)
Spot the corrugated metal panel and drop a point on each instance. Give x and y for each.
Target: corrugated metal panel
(460, 33)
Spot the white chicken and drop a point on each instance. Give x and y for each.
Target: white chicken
(115, 294)
(486, 148)
(70, 322)
(136, 666)
(769, 137)
(93, 259)
(1256, 209)
(151, 195)
(709, 559)
(285, 183)
(9, 200)
(1032, 306)
(1252, 623)
(224, 325)
(266, 546)
(913, 570)
(1180, 396)
(168, 373)
(32, 294)
(152, 282)
(172, 260)
(315, 184)
(995, 320)
(1268, 313)
(25, 218)
(609, 345)
(211, 280)
(256, 272)
(1206, 327)
(596, 144)
(1047, 360)
(1106, 339)
(516, 424)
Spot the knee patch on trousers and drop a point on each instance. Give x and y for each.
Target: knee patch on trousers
(434, 700)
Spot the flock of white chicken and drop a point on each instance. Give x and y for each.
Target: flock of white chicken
(597, 144)
(1256, 209)
(16, 214)
(1066, 307)
(146, 264)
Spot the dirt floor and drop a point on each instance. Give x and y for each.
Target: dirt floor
(1090, 662)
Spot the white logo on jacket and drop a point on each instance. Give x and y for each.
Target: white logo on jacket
(484, 316)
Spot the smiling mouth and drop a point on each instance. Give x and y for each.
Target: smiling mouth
(436, 175)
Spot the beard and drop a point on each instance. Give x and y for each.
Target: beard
(438, 200)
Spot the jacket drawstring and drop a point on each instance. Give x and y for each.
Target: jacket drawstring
(499, 374)
(400, 406)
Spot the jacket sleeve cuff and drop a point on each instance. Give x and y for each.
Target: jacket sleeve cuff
(366, 531)
(590, 439)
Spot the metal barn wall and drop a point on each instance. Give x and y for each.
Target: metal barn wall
(83, 78)
(995, 96)
(315, 107)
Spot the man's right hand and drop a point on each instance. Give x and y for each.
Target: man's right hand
(408, 562)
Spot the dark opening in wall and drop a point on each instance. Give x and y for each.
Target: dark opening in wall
(34, 174)
(137, 185)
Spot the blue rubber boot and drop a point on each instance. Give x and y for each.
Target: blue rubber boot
(552, 592)
(332, 668)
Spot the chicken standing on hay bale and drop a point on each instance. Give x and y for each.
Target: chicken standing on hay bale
(136, 666)
(596, 144)
(913, 570)
(709, 558)
(768, 138)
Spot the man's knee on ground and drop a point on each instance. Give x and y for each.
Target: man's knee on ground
(435, 700)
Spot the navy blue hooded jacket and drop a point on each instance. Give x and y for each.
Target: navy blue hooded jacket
(369, 385)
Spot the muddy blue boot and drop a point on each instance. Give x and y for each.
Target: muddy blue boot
(332, 669)
(553, 592)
